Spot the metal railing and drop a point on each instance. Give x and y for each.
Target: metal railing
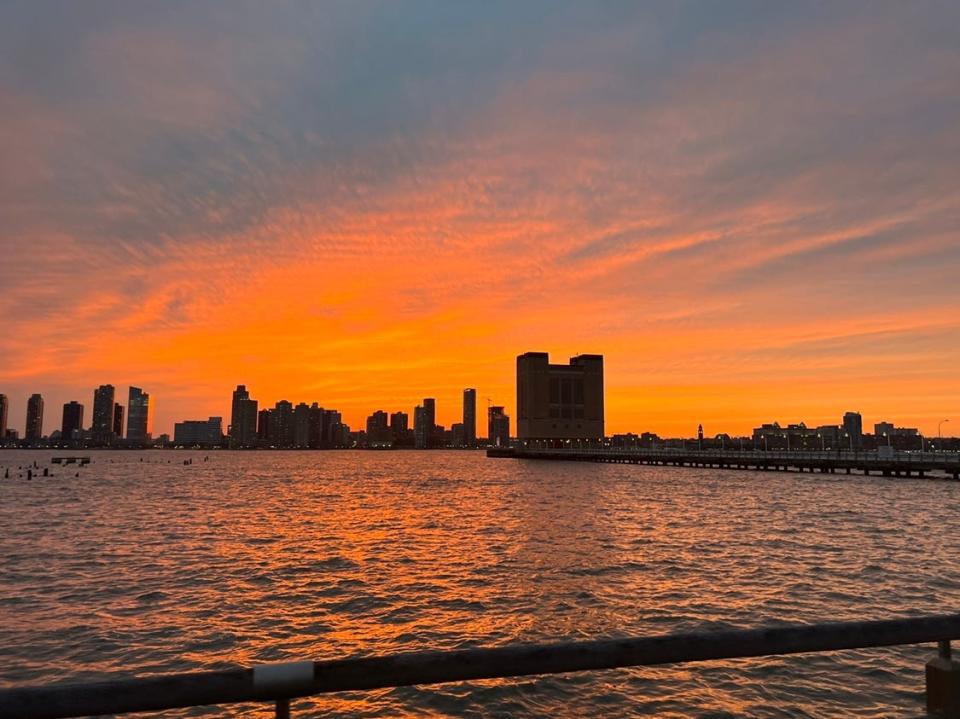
(753, 455)
(282, 682)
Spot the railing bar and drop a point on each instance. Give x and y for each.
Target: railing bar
(434, 667)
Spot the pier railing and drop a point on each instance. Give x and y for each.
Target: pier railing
(859, 455)
(888, 462)
(280, 683)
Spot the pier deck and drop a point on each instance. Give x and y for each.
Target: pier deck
(889, 464)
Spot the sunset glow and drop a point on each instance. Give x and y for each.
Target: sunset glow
(750, 211)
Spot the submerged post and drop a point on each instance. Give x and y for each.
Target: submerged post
(943, 684)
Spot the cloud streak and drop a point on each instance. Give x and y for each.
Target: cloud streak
(367, 204)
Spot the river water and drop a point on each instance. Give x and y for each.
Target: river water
(145, 565)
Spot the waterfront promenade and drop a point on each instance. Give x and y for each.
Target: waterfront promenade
(887, 464)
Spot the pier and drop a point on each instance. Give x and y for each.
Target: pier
(886, 464)
(280, 683)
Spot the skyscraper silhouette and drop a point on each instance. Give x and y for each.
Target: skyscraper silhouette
(72, 420)
(102, 427)
(138, 415)
(470, 417)
(34, 430)
(117, 420)
(243, 419)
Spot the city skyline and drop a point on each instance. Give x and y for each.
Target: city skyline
(455, 411)
(197, 199)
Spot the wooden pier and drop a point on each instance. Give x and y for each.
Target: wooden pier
(887, 464)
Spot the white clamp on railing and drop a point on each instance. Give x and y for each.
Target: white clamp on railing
(283, 677)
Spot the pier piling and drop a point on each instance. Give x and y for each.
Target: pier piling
(943, 684)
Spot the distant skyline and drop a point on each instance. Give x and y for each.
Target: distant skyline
(749, 208)
(455, 413)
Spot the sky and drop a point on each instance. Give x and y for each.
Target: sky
(751, 209)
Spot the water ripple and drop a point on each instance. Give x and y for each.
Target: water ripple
(154, 566)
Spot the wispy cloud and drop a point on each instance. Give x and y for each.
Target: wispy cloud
(363, 204)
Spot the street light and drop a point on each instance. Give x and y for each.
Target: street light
(939, 433)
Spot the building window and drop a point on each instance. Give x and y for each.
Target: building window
(554, 390)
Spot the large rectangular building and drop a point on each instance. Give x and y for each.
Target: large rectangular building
(198, 433)
(72, 423)
(556, 401)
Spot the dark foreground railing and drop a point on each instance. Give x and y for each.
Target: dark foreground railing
(281, 682)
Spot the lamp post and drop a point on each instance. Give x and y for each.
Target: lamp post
(823, 445)
(939, 433)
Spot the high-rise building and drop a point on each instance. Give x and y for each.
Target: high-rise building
(264, 422)
(243, 419)
(118, 420)
(853, 428)
(378, 430)
(498, 427)
(430, 420)
(72, 423)
(101, 429)
(316, 435)
(425, 424)
(138, 416)
(4, 409)
(421, 432)
(34, 430)
(399, 425)
(281, 424)
(470, 417)
(334, 429)
(301, 425)
(556, 401)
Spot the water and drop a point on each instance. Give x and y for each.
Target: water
(152, 566)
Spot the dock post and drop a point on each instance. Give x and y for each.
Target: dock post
(943, 684)
(283, 709)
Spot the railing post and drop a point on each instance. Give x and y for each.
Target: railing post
(943, 683)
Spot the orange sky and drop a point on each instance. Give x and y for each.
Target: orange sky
(753, 216)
